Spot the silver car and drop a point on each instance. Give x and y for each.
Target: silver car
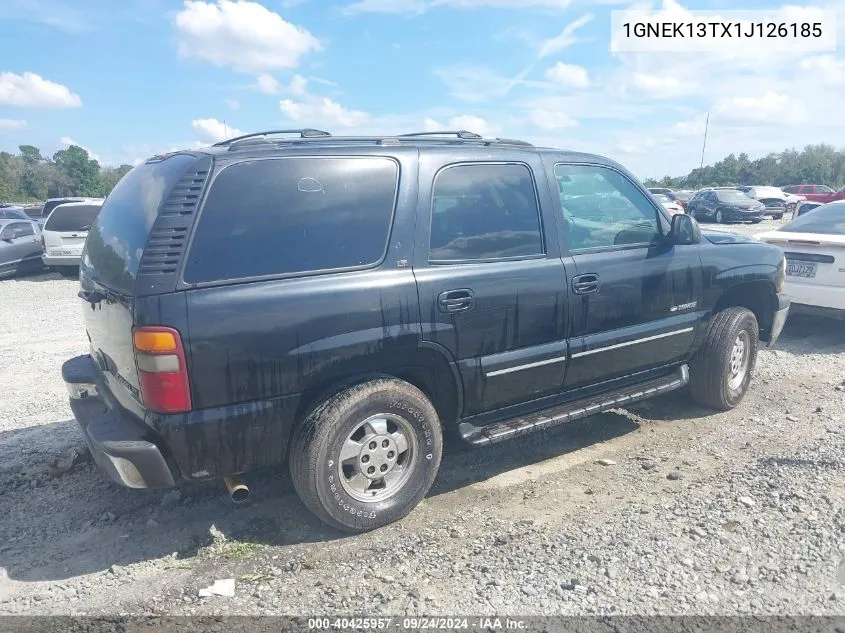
(20, 246)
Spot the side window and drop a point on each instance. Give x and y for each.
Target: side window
(483, 211)
(603, 208)
(823, 189)
(294, 215)
(24, 228)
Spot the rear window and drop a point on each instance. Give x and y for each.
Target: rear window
(293, 215)
(117, 239)
(72, 218)
(828, 219)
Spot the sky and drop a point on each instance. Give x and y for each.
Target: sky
(129, 79)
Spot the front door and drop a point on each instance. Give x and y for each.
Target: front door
(634, 302)
(491, 283)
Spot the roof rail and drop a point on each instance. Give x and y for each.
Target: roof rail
(303, 133)
(459, 133)
(512, 141)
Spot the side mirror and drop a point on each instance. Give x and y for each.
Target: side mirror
(684, 230)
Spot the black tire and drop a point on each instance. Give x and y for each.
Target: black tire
(710, 369)
(69, 271)
(779, 216)
(315, 452)
(720, 217)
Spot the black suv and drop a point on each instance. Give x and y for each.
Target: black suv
(343, 303)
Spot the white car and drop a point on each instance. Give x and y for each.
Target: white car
(777, 202)
(670, 205)
(814, 246)
(65, 231)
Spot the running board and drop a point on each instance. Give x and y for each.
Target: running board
(571, 411)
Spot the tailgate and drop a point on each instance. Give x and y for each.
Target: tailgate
(108, 323)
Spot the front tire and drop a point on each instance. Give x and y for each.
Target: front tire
(367, 456)
(720, 219)
(722, 369)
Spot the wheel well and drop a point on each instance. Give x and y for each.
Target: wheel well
(755, 296)
(427, 370)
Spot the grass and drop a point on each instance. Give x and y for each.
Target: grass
(233, 550)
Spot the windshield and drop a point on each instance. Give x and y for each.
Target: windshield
(663, 198)
(683, 195)
(732, 195)
(72, 218)
(829, 219)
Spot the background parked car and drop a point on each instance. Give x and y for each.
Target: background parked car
(657, 190)
(681, 197)
(725, 205)
(814, 246)
(65, 232)
(52, 203)
(670, 205)
(776, 201)
(818, 193)
(20, 248)
(807, 206)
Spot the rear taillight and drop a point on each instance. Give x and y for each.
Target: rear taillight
(162, 370)
(43, 243)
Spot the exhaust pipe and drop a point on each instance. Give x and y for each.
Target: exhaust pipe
(238, 490)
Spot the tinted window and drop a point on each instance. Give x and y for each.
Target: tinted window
(601, 208)
(823, 189)
(52, 204)
(117, 239)
(484, 212)
(72, 218)
(682, 195)
(829, 219)
(292, 215)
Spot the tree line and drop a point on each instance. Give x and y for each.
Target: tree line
(815, 164)
(31, 177)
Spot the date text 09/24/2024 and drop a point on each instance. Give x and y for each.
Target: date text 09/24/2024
(415, 624)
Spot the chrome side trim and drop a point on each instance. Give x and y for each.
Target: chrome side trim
(634, 342)
(539, 363)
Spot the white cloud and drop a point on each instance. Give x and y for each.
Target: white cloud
(550, 120)
(242, 35)
(421, 6)
(689, 128)
(659, 87)
(831, 69)
(68, 141)
(466, 122)
(566, 38)
(477, 84)
(233, 104)
(322, 111)
(770, 106)
(10, 125)
(267, 84)
(568, 75)
(215, 130)
(298, 86)
(31, 90)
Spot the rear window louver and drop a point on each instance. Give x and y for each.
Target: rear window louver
(166, 245)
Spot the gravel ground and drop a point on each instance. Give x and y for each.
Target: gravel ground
(664, 508)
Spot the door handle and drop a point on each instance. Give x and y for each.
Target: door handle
(585, 284)
(455, 300)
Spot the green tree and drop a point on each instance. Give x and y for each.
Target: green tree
(111, 176)
(82, 172)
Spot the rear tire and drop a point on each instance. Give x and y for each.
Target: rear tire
(383, 425)
(720, 219)
(722, 369)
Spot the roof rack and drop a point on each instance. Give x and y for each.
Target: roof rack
(303, 133)
(463, 134)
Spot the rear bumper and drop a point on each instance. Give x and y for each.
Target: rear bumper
(830, 297)
(779, 318)
(121, 446)
(61, 260)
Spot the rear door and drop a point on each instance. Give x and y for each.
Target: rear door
(67, 227)
(635, 296)
(491, 283)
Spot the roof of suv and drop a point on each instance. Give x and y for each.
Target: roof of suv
(291, 140)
